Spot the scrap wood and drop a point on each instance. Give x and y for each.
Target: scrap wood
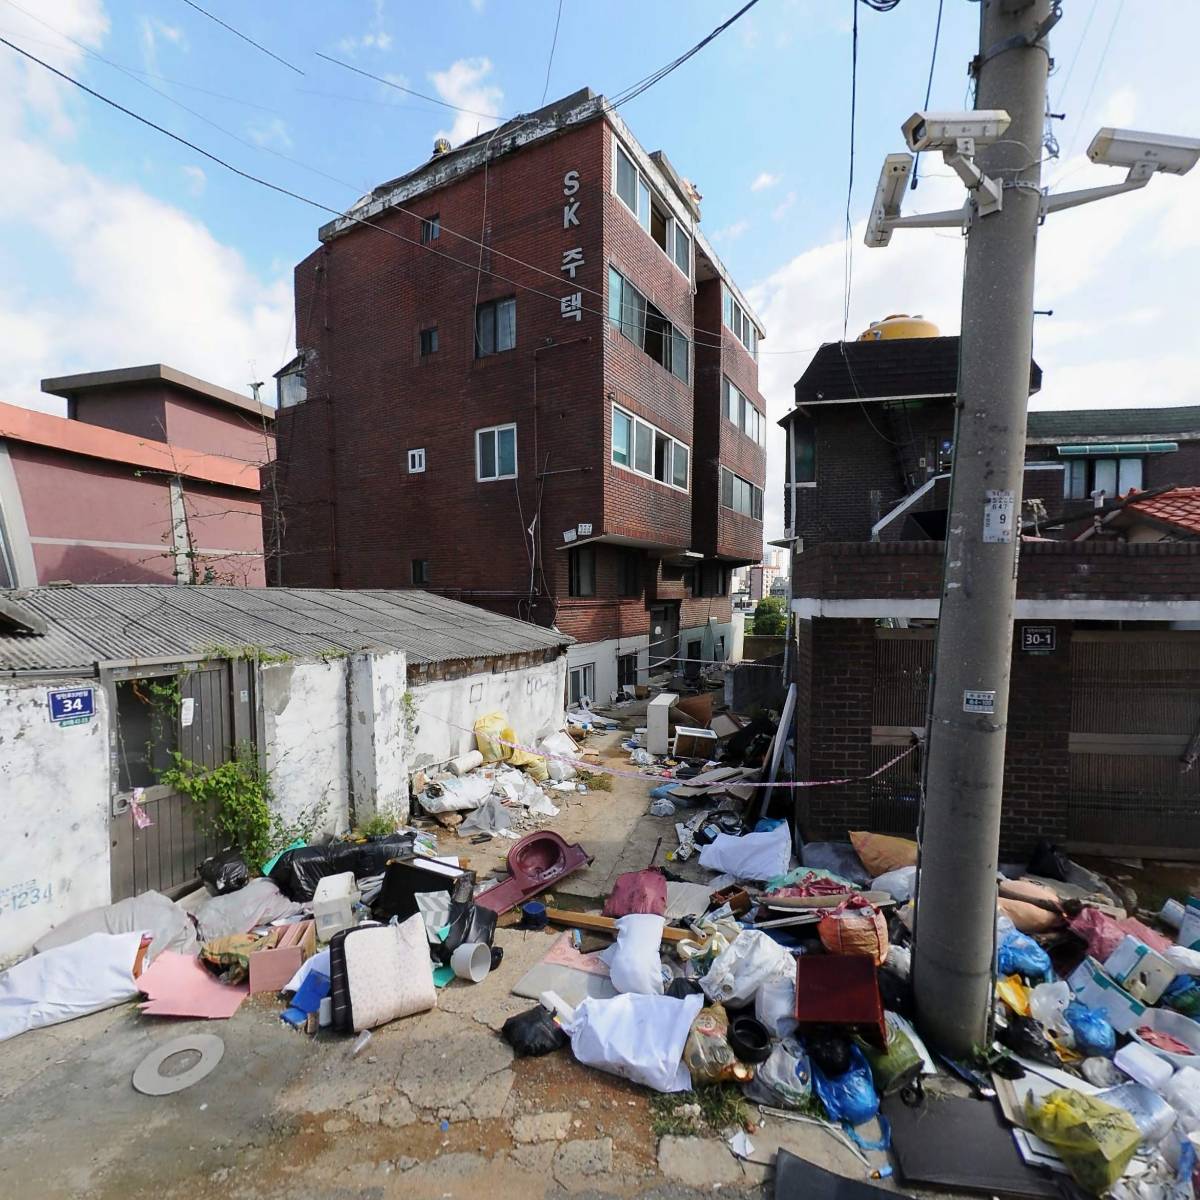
(698, 708)
(599, 924)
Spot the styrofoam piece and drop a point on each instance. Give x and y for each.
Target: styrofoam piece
(1143, 973)
(333, 904)
(1140, 1062)
(1093, 986)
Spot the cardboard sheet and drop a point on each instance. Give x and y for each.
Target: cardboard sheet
(178, 985)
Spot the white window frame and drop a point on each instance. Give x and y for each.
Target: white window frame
(497, 430)
(739, 323)
(646, 190)
(416, 461)
(655, 432)
(743, 405)
(584, 670)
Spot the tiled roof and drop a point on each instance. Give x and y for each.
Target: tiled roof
(92, 623)
(892, 368)
(1104, 424)
(1179, 507)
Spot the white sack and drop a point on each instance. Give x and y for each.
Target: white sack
(775, 1005)
(753, 856)
(640, 1038)
(635, 965)
(151, 912)
(68, 981)
(259, 903)
(1185, 961)
(899, 884)
(458, 795)
(741, 969)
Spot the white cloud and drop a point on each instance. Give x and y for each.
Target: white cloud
(272, 131)
(1121, 289)
(375, 37)
(730, 233)
(780, 210)
(196, 179)
(464, 84)
(764, 180)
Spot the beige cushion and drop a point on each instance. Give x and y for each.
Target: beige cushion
(388, 973)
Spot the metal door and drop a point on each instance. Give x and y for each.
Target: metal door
(1135, 712)
(903, 662)
(211, 711)
(664, 636)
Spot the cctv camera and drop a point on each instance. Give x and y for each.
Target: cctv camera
(897, 169)
(944, 130)
(1148, 151)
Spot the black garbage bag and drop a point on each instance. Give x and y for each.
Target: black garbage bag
(681, 988)
(298, 872)
(751, 743)
(829, 1050)
(1024, 1036)
(533, 1033)
(468, 923)
(1048, 861)
(223, 873)
(896, 993)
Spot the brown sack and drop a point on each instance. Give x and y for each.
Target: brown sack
(880, 853)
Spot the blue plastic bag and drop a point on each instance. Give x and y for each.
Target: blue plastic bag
(851, 1097)
(1021, 955)
(1094, 1035)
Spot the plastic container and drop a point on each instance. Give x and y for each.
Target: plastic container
(472, 961)
(333, 904)
(1154, 1116)
(1178, 1026)
(1172, 913)
(1142, 1064)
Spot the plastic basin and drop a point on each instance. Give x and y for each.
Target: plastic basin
(1165, 1020)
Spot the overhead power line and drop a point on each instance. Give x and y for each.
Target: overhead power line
(937, 31)
(553, 44)
(239, 33)
(848, 249)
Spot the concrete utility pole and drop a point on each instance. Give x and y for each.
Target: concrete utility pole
(956, 902)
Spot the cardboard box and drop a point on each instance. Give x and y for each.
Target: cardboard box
(1095, 988)
(1143, 973)
(272, 967)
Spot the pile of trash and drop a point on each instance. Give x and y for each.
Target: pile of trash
(499, 787)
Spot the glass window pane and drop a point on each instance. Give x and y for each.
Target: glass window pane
(633, 321)
(683, 251)
(621, 428)
(679, 466)
(662, 457)
(643, 209)
(805, 453)
(643, 447)
(506, 324)
(726, 398)
(1130, 474)
(1104, 476)
(507, 441)
(726, 306)
(485, 330)
(679, 355)
(726, 488)
(487, 453)
(743, 413)
(614, 296)
(626, 179)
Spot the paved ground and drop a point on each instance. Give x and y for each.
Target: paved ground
(436, 1106)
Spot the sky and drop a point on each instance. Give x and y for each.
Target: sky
(118, 246)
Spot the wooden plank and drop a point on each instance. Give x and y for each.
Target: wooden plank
(598, 924)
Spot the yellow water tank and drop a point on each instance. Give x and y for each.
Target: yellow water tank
(899, 325)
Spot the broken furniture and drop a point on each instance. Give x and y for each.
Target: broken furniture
(840, 989)
(658, 723)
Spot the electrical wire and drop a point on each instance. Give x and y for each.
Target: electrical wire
(1095, 78)
(409, 91)
(848, 250)
(937, 31)
(238, 33)
(553, 44)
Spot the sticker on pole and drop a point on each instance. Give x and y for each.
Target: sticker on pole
(998, 516)
(979, 702)
(74, 707)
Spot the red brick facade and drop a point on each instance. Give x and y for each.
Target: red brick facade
(354, 516)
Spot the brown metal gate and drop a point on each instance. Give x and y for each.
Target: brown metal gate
(215, 712)
(903, 661)
(1135, 708)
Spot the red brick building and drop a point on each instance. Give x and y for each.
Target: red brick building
(152, 477)
(526, 380)
(1105, 675)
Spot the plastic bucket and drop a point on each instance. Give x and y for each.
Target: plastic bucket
(472, 960)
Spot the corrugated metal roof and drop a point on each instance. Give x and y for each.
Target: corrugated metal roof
(91, 623)
(1105, 424)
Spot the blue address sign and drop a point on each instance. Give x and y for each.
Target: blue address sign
(75, 706)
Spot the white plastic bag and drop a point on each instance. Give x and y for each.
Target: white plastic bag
(739, 971)
(775, 1005)
(785, 1079)
(640, 1038)
(1185, 961)
(753, 856)
(1047, 1004)
(457, 795)
(635, 965)
(898, 884)
(1182, 1093)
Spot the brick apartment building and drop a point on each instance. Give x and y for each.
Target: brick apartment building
(152, 477)
(526, 380)
(1105, 675)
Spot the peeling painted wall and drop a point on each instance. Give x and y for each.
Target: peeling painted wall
(54, 781)
(378, 763)
(305, 737)
(531, 699)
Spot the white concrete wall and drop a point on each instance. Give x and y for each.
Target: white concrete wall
(55, 787)
(446, 710)
(696, 634)
(305, 739)
(603, 656)
(378, 749)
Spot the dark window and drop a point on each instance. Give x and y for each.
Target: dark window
(583, 571)
(147, 729)
(627, 670)
(683, 251)
(495, 327)
(741, 495)
(646, 327)
(420, 572)
(429, 341)
(627, 180)
(629, 573)
(804, 441)
(431, 229)
(1112, 476)
(662, 458)
(659, 222)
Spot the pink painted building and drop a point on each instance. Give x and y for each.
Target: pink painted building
(152, 477)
